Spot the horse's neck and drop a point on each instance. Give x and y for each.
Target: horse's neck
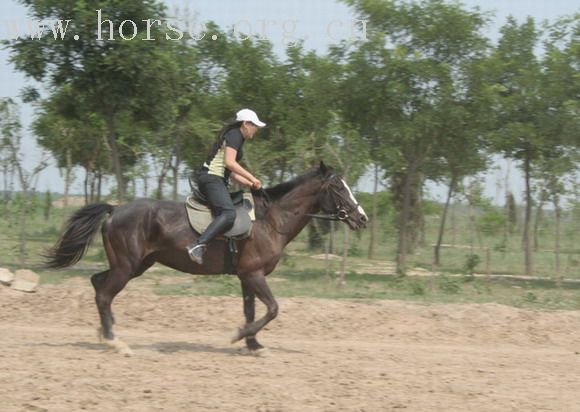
(291, 211)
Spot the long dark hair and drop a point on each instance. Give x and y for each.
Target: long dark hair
(234, 124)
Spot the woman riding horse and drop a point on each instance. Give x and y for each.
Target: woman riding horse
(213, 178)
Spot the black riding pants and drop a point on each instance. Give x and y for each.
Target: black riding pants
(224, 213)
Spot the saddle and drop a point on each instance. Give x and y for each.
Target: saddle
(200, 215)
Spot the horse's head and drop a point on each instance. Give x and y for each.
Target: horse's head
(337, 201)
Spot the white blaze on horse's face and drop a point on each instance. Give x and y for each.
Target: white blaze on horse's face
(354, 201)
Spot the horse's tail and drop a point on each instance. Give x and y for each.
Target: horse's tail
(78, 234)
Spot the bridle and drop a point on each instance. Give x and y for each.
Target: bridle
(343, 208)
(331, 188)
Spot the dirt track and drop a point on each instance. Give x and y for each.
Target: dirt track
(324, 356)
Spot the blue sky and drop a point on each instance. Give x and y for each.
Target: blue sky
(319, 23)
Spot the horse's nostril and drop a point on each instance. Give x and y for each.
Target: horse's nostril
(364, 219)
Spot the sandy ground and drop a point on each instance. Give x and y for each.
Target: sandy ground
(324, 355)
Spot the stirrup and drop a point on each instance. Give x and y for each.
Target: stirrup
(196, 252)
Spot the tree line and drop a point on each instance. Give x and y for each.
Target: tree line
(426, 96)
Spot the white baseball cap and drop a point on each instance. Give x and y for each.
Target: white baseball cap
(249, 116)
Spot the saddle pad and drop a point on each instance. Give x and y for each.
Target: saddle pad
(200, 217)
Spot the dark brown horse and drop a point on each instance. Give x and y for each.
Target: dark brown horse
(142, 232)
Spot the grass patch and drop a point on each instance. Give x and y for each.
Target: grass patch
(545, 295)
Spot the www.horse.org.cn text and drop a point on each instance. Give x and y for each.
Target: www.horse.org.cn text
(287, 31)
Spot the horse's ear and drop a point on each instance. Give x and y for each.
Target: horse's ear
(323, 168)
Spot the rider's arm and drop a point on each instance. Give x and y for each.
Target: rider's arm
(242, 180)
(235, 167)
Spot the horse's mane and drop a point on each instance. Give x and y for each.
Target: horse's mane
(276, 192)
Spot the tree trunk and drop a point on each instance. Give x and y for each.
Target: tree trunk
(99, 186)
(162, 174)
(472, 225)
(145, 185)
(86, 186)
(346, 245)
(22, 224)
(92, 186)
(5, 182)
(133, 192)
(453, 221)
(116, 157)
(452, 183)
(420, 216)
(506, 230)
(558, 212)
(331, 241)
(537, 222)
(175, 170)
(404, 220)
(374, 222)
(175, 167)
(67, 183)
(529, 265)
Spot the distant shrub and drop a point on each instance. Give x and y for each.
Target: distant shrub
(471, 263)
(448, 285)
(355, 250)
(417, 288)
(492, 222)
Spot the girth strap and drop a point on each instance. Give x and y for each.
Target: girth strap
(231, 257)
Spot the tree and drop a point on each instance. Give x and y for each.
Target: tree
(560, 116)
(10, 143)
(463, 149)
(120, 80)
(409, 70)
(74, 137)
(533, 110)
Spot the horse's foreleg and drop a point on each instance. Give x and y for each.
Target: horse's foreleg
(249, 312)
(257, 285)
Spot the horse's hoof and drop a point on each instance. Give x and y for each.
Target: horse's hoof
(120, 347)
(258, 353)
(100, 335)
(237, 336)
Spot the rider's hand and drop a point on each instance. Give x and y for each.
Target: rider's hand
(256, 184)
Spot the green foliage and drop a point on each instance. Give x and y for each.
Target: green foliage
(431, 208)
(471, 263)
(315, 240)
(355, 250)
(531, 297)
(492, 221)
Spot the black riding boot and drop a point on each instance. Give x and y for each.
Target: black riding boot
(219, 225)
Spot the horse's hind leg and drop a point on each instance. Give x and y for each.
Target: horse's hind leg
(107, 320)
(107, 285)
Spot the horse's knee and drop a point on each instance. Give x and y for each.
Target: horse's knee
(98, 278)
